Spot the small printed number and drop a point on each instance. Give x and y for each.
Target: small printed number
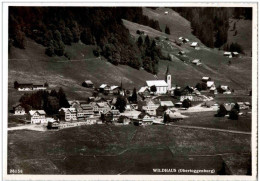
(16, 171)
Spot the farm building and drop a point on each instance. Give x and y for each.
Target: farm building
(205, 79)
(88, 83)
(103, 87)
(228, 54)
(150, 107)
(194, 45)
(210, 84)
(145, 119)
(37, 116)
(196, 62)
(235, 54)
(18, 109)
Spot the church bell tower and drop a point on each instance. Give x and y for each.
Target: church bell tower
(168, 78)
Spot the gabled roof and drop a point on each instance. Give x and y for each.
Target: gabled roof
(167, 103)
(32, 112)
(88, 82)
(205, 78)
(72, 110)
(103, 86)
(114, 87)
(157, 83)
(143, 89)
(194, 44)
(142, 115)
(227, 53)
(196, 61)
(210, 83)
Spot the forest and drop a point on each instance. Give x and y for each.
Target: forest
(55, 27)
(211, 24)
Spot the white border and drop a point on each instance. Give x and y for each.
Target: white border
(127, 177)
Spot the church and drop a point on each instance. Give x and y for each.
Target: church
(162, 86)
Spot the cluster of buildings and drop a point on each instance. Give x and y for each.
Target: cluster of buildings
(231, 54)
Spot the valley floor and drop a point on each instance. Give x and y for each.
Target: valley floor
(109, 149)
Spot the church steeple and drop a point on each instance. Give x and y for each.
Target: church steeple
(168, 78)
(167, 73)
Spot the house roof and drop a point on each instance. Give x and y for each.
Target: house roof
(88, 82)
(102, 104)
(103, 86)
(210, 83)
(157, 83)
(32, 112)
(224, 87)
(142, 115)
(113, 87)
(71, 109)
(167, 103)
(205, 78)
(229, 106)
(196, 61)
(143, 89)
(181, 38)
(235, 53)
(227, 53)
(193, 44)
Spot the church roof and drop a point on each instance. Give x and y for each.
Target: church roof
(157, 83)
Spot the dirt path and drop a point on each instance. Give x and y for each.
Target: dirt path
(212, 129)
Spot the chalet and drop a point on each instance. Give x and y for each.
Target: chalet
(188, 96)
(107, 117)
(181, 53)
(235, 54)
(145, 119)
(210, 84)
(37, 116)
(103, 107)
(144, 91)
(18, 109)
(114, 90)
(196, 62)
(25, 87)
(53, 124)
(228, 54)
(68, 114)
(229, 106)
(205, 79)
(151, 106)
(161, 86)
(88, 83)
(84, 110)
(194, 45)
(103, 87)
(166, 12)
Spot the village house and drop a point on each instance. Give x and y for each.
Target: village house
(88, 83)
(103, 87)
(144, 92)
(196, 62)
(68, 114)
(18, 109)
(205, 79)
(228, 54)
(124, 120)
(211, 84)
(102, 107)
(144, 119)
(229, 106)
(53, 124)
(37, 116)
(188, 96)
(235, 54)
(151, 106)
(195, 45)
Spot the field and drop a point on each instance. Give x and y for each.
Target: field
(108, 149)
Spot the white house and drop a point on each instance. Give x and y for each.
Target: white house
(68, 114)
(194, 44)
(151, 106)
(210, 84)
(18, 110)
(37, 116)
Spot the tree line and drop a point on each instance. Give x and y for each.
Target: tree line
(50, 102)
(55, 27)
(211, 24)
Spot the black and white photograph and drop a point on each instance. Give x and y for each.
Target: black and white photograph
(130, 90)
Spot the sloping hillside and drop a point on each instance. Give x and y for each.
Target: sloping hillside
(32, 65)
(240, 31)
